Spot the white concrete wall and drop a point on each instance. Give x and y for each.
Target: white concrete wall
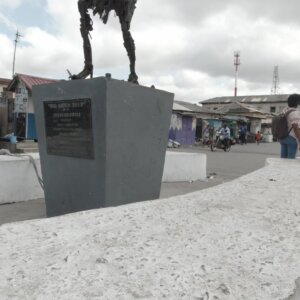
(18, 180)
(184, 166)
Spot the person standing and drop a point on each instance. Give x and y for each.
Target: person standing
(243, 132)
(258, 137)
(212, 133)
(290, 144)
(205, 134)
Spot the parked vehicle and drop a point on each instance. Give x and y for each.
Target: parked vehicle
(173, 144)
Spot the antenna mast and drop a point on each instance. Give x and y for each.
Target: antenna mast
(275, 85)
(16, 42)
(236, 62)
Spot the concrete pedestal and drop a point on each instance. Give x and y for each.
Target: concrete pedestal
(102, 142)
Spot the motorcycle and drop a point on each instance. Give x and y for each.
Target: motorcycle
(218, 143)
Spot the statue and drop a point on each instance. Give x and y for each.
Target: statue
(124, 10)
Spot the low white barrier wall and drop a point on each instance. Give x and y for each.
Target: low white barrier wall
(184, 166)
(18, 180)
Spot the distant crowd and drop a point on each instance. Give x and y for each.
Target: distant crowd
(209, 133)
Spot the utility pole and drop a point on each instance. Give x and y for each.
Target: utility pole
(275, 84)
(16, 42)
(236, 63)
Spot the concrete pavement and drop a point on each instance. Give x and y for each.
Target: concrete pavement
(239, 240)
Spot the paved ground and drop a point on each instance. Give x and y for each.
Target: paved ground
(224, 166)
(221, 167)
(239, 240)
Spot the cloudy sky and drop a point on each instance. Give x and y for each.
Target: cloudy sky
(185, 47)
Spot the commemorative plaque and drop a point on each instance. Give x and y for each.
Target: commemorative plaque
(68, 125)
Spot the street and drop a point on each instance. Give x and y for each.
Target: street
(240, 160)
(224, 166)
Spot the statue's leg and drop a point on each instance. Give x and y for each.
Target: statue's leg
(85, 28)
(130, 48)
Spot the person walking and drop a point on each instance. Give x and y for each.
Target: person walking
(291, 143)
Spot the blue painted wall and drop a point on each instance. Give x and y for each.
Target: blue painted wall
(31, 129)
(183, 129)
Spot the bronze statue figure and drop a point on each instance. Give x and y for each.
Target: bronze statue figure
(124, 10)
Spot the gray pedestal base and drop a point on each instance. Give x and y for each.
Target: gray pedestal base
(102, 142)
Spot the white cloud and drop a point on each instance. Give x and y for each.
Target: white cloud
(184, 47)
(10, 3)
(6, 52)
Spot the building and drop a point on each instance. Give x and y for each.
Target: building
(20, 106)
(183, 124)
(189, 120)
(265, 103)
(260, 109)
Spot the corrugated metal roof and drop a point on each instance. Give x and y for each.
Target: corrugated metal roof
(30, 81)
(191, 106)
(242, 109)
(231, 109)
(247, 99)
(177, 106)
(196, 108)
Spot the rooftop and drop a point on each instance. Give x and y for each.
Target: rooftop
(187, 106)
(29, 81)
(247, 99)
